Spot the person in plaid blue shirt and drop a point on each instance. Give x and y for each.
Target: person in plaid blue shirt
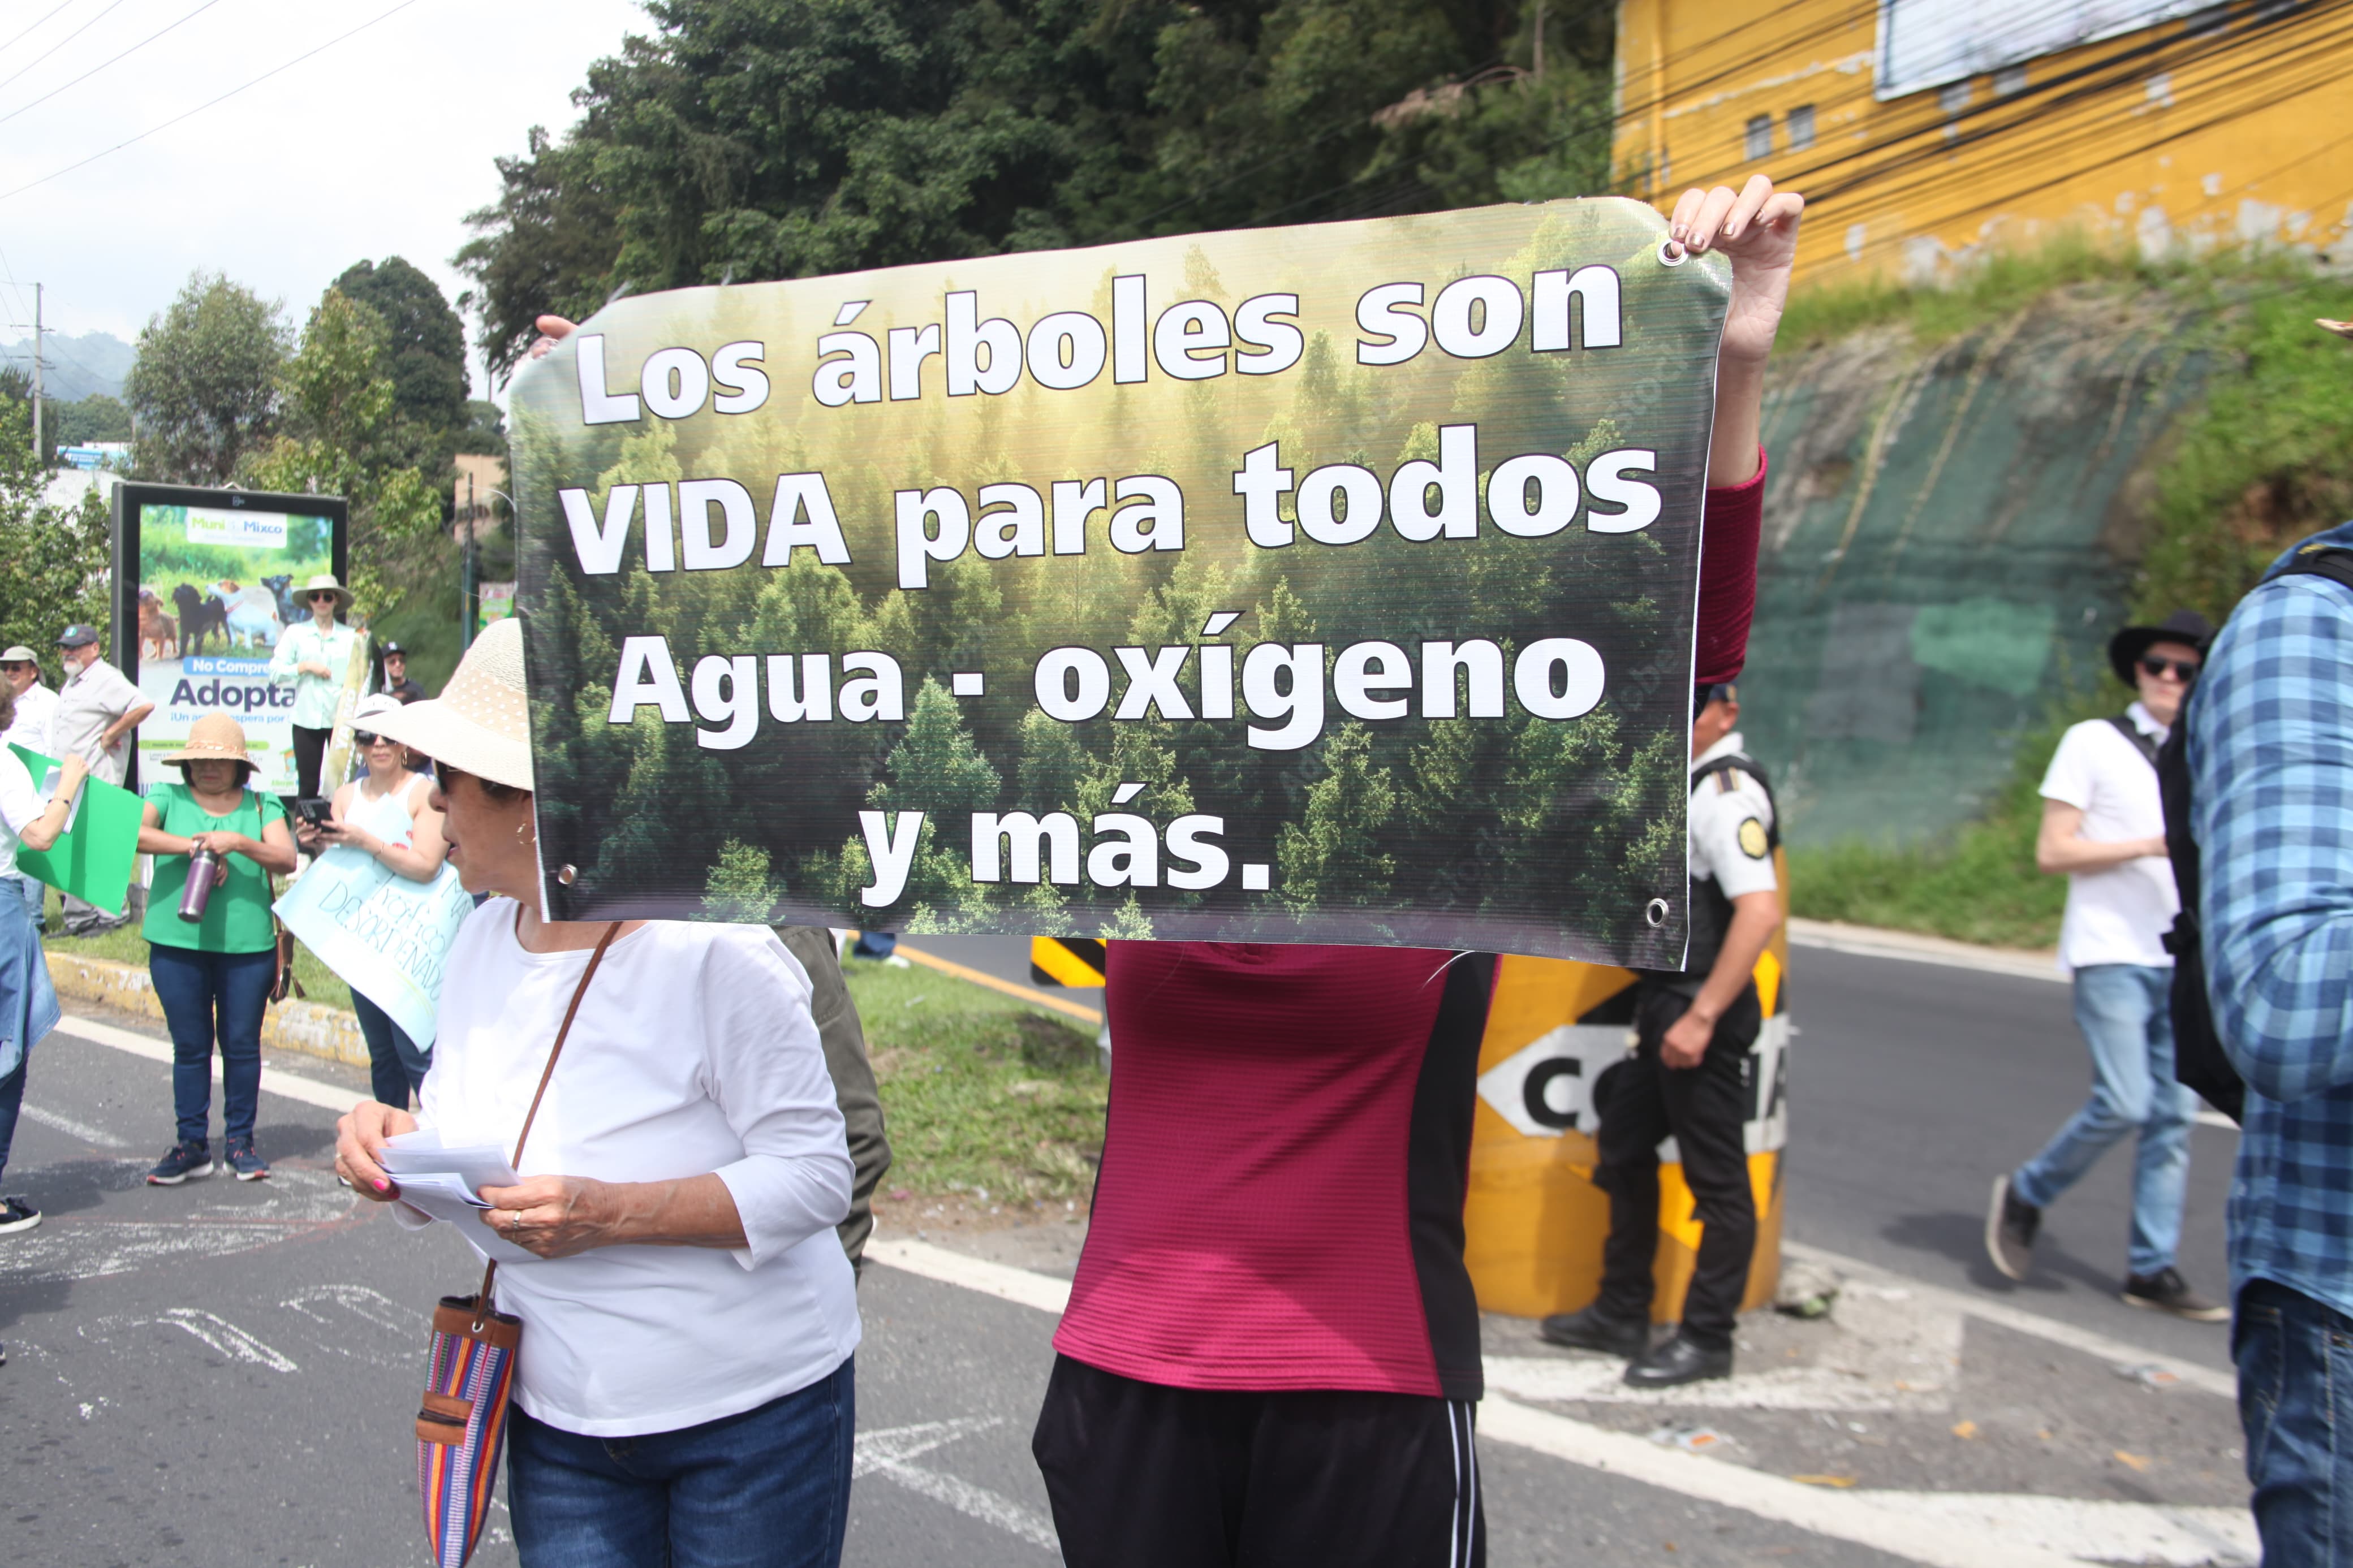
(2271, 757)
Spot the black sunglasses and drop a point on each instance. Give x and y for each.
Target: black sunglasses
(361, 738)
(2186, 668)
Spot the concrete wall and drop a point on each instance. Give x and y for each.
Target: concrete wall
(2183, 136)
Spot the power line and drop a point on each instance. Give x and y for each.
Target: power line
(61, 43)
(52, 11)
(93, 71)
(232, 93)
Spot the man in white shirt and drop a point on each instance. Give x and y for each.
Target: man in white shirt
(97, 710)
(35, 704)
(2103, 827)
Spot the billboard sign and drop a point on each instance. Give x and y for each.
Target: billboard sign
(205, 584)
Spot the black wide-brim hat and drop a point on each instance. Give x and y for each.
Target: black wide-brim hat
(2186, 627)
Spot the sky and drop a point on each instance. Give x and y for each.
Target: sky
(377, 146)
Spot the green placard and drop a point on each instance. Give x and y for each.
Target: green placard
(94, 857)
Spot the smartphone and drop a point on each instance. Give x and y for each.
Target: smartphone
(313, 809)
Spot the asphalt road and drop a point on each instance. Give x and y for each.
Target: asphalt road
(225, 1371)
(1913, 1085)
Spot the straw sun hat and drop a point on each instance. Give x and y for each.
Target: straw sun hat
(324, 583)
(215, 737)
(481, 723)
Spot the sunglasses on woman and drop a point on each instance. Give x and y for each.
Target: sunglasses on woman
(2184, 670)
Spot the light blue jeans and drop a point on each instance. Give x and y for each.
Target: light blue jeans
(2125, 1012)
(31, 891)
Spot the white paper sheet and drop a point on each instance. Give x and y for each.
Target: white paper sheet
(445, 1184)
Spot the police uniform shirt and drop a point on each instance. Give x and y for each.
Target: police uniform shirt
(1731, 819)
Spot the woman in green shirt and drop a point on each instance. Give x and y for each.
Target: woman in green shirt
(219, 967)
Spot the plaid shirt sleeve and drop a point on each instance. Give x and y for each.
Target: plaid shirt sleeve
(2271, 749)
(2271, 754)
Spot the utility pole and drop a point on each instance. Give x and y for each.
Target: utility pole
(40, 454)
(1540, 22)
(465, 599)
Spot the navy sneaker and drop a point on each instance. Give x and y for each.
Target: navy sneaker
(249, 1166)
(17, 1215)
(189, 1157)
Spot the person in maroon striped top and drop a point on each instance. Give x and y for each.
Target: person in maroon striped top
(1270, 1357)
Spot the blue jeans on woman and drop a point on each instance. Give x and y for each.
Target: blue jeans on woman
(2296, 1405)
(2126, 1013)
(767, 1489)
(213, 999)
(395, 1067)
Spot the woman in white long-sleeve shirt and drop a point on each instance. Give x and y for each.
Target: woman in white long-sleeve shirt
(684, 1389)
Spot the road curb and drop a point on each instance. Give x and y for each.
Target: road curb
(308, 1028)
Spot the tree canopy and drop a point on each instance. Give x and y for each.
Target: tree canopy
(205, 385)
(760, 139)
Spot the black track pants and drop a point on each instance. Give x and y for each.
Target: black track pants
(1641, 1102)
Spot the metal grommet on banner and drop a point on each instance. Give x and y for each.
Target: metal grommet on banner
(1655, 911)
(1671, 254)
(568, 875)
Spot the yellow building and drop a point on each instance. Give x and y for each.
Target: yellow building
(1926, 132)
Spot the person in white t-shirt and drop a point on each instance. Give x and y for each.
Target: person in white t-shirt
(2104, 828)
(684, 1390)
(20, 673)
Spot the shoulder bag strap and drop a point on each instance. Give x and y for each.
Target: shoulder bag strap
(2131, 731)
(491, 1274)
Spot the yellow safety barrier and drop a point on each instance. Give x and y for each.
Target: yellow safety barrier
(1535, 1221)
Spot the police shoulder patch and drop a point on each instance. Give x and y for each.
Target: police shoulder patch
(1752, 839)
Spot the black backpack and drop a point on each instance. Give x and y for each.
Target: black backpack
(2198, 1059)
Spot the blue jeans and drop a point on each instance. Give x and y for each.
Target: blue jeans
(12, 1099)
(768, 1489)
(395, 1065)
(209, 998)
(32, 892)
(2126, 1013)
(2296, 1406)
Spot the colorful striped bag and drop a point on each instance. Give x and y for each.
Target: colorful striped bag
(461, 1427)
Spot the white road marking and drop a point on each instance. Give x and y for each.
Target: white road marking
(889, 1451)
(72, 1129)
(226, 1339)
(2174, 1537)
(290, 1086)
(2006, 1531)
(1869, 941)
(73, 1248)
(370, 1306)
(2206, 1379)
(1002, 1281)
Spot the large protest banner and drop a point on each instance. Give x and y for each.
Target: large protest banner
(205, 584)
(1331, 584)
(386, 936)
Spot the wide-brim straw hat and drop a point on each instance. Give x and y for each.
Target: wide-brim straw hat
(215, 738)
(480, 724)
(324, 583)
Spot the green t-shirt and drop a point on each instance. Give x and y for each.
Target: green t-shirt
(237, 920)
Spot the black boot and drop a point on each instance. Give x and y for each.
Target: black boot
(1593, 1330)
(1676, 1361)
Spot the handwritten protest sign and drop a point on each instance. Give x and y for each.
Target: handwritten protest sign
(94, 857)
(383, 934)
(1331, 584)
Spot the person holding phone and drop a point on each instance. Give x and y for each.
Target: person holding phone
(387, 815)
(212, 973)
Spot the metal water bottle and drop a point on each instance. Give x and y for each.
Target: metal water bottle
(203, 873)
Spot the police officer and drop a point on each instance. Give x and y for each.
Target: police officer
(1688, 1077)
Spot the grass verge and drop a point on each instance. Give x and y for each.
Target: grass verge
(984, 1095)
(1979, 886)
